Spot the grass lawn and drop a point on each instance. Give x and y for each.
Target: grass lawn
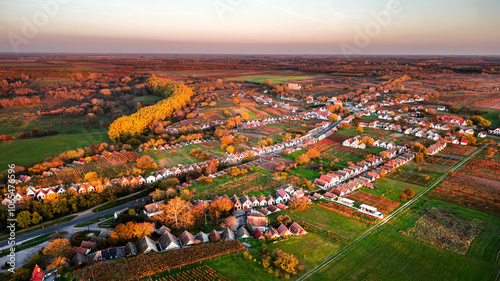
(390, 188)
(309, 249)
(344, 157)
(30, 151)
(308, 174)
(387, 254)
(492, 116)
(295, 154)
(329, 220)
(274, 79)
(410, 174)
(148, 98)
(181, 157)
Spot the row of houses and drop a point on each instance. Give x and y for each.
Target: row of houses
(369, 177)
(85, 187)
(199, 127)
(167, 242)
(329, 180)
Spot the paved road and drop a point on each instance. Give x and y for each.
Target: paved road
(389, 217)
(85, 216)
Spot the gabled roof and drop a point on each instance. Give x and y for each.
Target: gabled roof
(78, 259)
(202, 237)
(227, 234)
(37, 274)
(130, 249)
(146, 243)
(242, 232)
(187, 238)
(283, 230)
(214, 236)
(168, 240)
(296, 229)
(258, 234)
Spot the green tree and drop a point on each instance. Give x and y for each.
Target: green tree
(36, 218)
(24, 219)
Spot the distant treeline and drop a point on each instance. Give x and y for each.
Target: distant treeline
(177, 95)
(35, 133)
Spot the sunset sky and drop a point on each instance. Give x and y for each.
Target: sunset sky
(453, 27)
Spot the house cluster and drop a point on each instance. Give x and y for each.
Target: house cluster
(436, 148)
(269, 120)
(369, 177)
(166, 242)
(285, 106)
(332, 179)
(85, 187)
(493, 131)
(199, 127)
(354, 142)
(452, 120)
(282, 231)
(178, 145)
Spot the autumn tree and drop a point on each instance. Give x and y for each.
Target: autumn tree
(60, 247)
(36, 218)
(59, 263)
(169, 183)
(230, 149)
(334, 118)
(220, 207)
(385, 155)
(368, 141)
(285, 261)
(158, 194)
(302, 159)
(409, 192)
(300, 204)
(230, 222)
(419, 157)
(359, 130)
(91, 176)
(284, 219)
(403, 196)
(176, 213)
(146, 162)
(313, 153)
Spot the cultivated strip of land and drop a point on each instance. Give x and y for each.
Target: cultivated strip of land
(391, 216)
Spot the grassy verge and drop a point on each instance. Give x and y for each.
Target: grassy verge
(43, 225)
(92, 221)
(120, 201)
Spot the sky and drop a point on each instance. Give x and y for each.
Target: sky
(386, 27)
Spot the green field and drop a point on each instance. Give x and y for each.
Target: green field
(389, 255)
(308, 174)
(391, 189)
(329, 220)
(148, 98)
(181, 157)
(274, 79)
(30, 151)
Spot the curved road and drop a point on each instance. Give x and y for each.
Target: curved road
(82, 217)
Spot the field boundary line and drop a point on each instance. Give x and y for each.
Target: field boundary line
(391, 216)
